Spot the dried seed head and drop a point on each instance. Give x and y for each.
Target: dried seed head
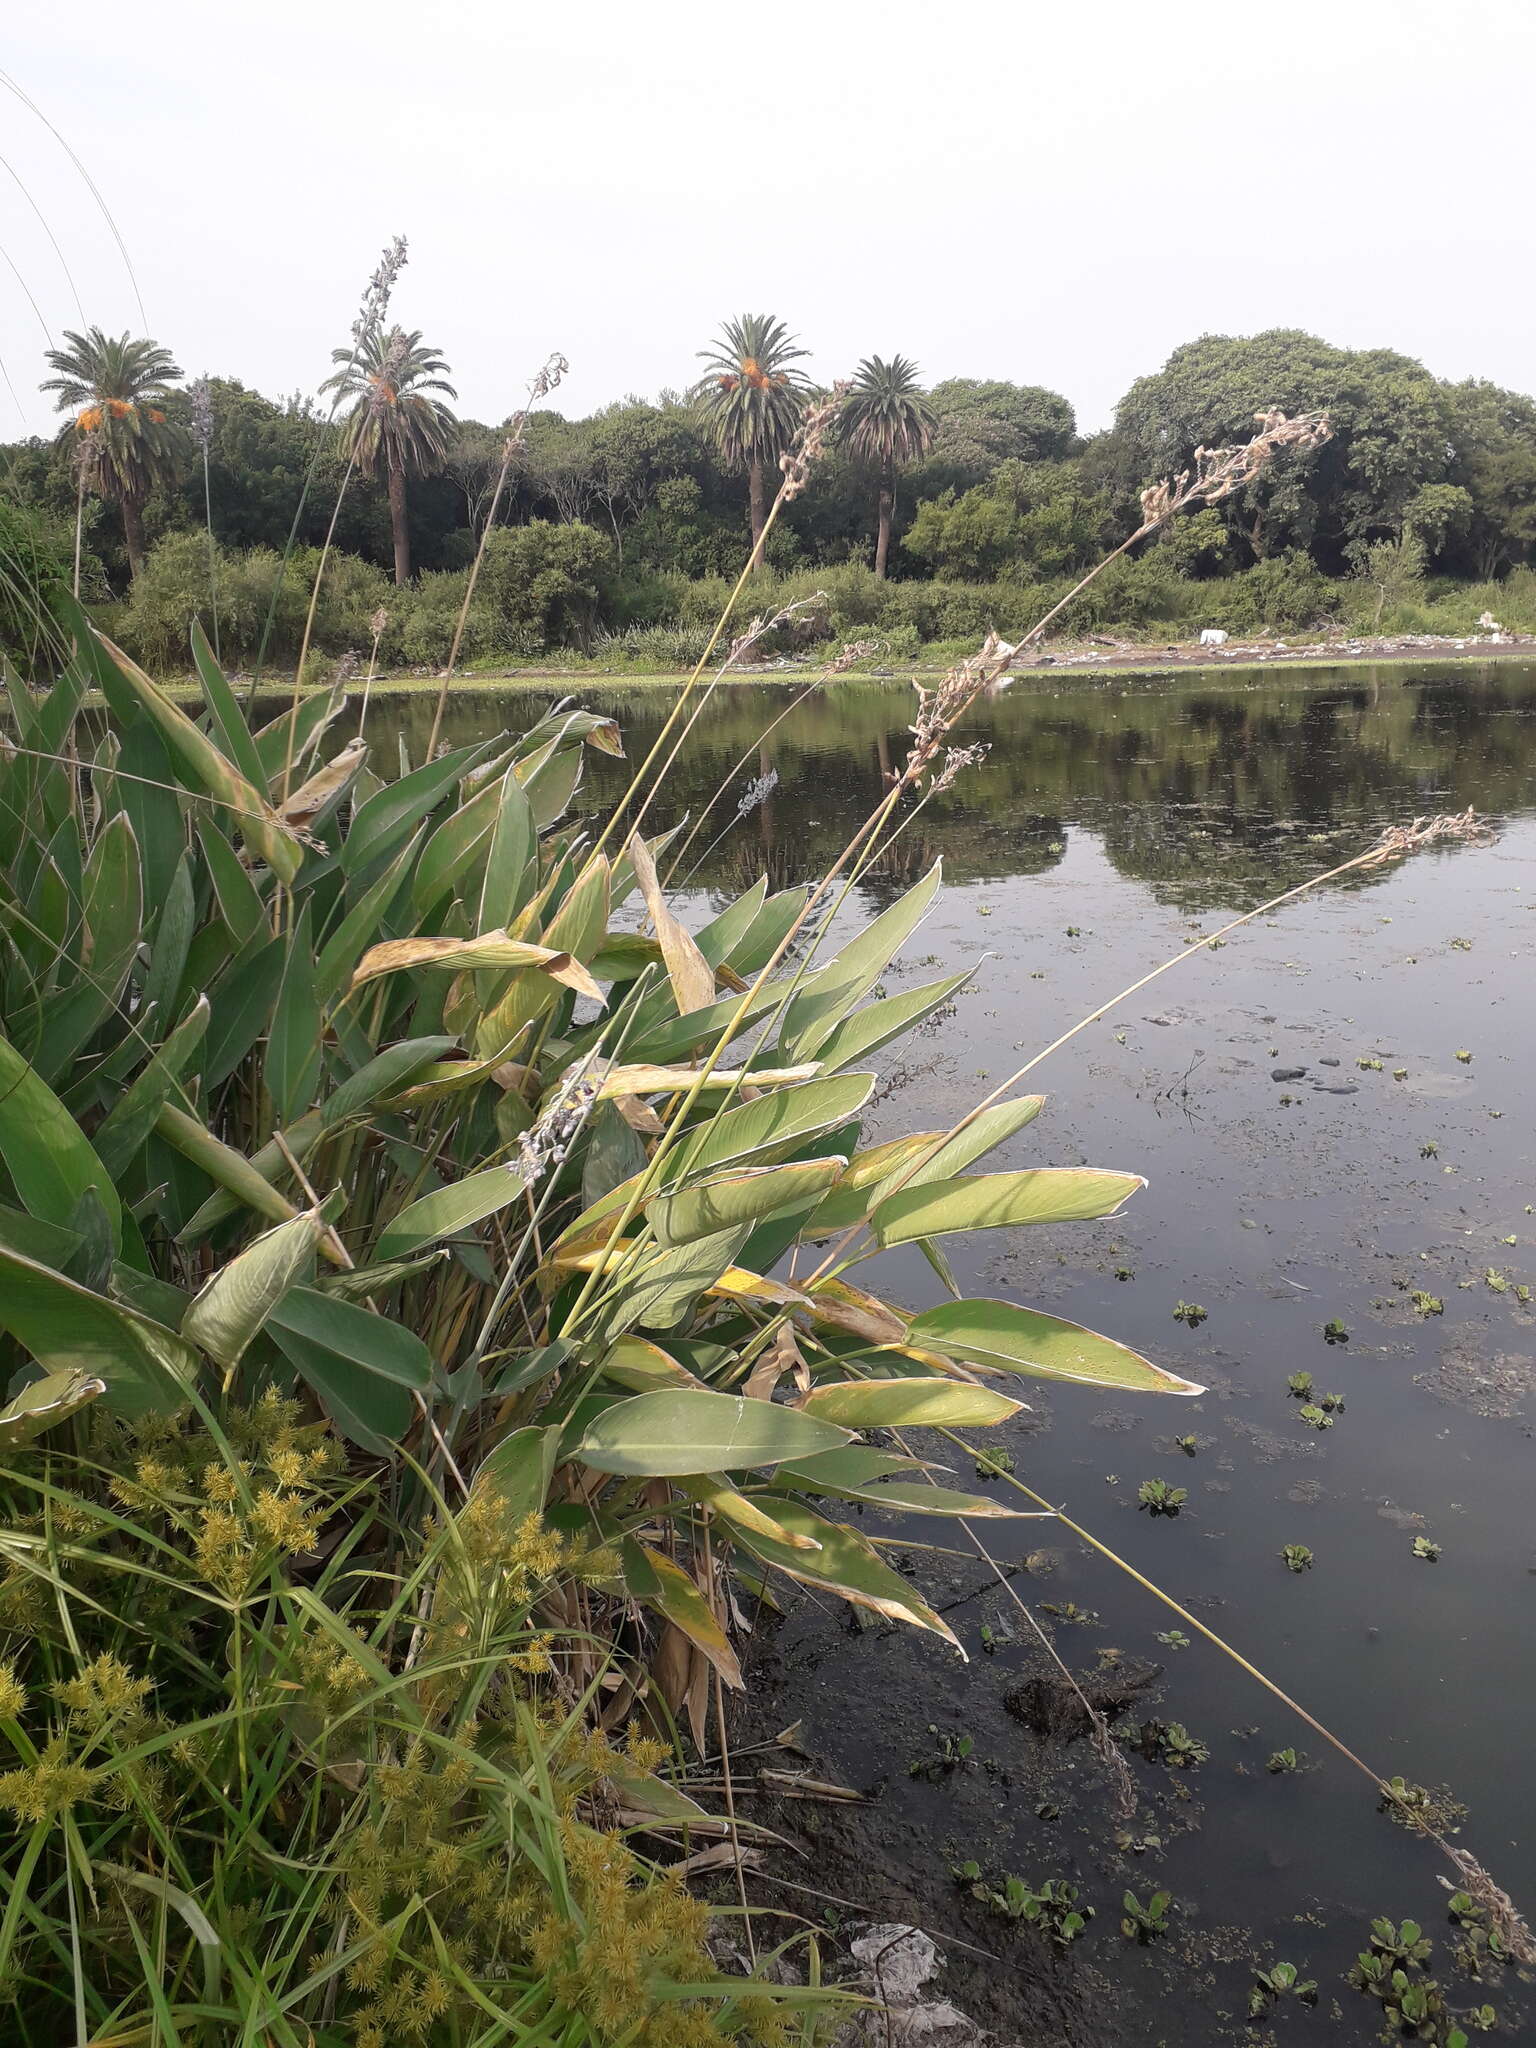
(546, 1144)
(200, 397)
(803, 452)
(1449, 828)
(757, 792)
(1504, 1918)
(377, 624)
(846, 657)
(956, 761)
(553, 369)
(764, 624)
(1218, 472)
(375, 303)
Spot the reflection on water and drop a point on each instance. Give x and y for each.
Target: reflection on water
(1106, 819)
(1212, 790)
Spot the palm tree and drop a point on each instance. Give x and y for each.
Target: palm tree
(751, 399)
(121, 440)
(887, 422)
(395, 422)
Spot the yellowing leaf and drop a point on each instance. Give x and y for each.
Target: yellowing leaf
(670, 1434)
(1006, 1338)
(747, 1194)
(489, 950)
(908, 1404)
(992, 1201)
(668, 1588)
(692, 977)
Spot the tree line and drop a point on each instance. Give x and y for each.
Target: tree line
(970, 480)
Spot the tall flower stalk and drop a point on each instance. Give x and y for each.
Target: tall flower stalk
(200, 397)
(548, 378)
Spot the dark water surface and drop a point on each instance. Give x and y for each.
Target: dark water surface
(1108, 821)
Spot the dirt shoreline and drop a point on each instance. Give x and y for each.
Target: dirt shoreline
(1076, 659)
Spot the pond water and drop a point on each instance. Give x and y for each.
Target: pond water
(1109, 821)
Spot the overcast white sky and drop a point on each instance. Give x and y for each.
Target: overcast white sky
(1055, 194)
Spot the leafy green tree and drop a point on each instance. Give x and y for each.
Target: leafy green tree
(1390, 417)
(979, 424)
(121, 438)
(887, 423)
(752, 399)
(546, 583)
(397, 422)
(1036, 519)
(1493, 442)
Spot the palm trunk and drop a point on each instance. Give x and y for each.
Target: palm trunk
(133, 534)
(755, 498)
(887, 505)
(397, 523)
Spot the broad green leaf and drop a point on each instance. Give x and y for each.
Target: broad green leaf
(237, 1177)
(173, 939)
(367, 1408)
(237, 896)
(342, 950)
(993, 1201)
(845, 1563)
(47, 1155)
(307, 725)
(828, 995)
(355, 1336)
(744, 1195)
(451, 1211)
(908, 1404)
(578, 926)
(45, 1402)
(661, 1287)
(1011, 1339)
(550, 780)
(293, 1041)
(242, 1002)
(983, 1134)
(234, 1306)
(519, 1469)
(659, 1583)
(49, 1244)
(374, 1081)
(366, 1283)
(730, 1505)
(762, 1132)
(132, 1117)
(229, 725)
(67, 1328)
(513, 841)
(400, 806)
(863, 1034)
(113, 926)
(241, 802)
(666, 1036)
(717, 938)
(859, 1188)
(767, 932)
(672, 1433)
(623, 955)
(614, 1154)
(854, 1465)
(452, 849)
